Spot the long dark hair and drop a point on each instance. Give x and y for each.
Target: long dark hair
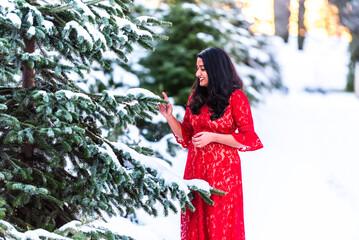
(223, 80)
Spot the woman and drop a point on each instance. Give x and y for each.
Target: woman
(217, 123)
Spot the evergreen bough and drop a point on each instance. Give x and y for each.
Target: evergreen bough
(55, 166)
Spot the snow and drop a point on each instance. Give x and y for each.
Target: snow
(14, 18)
(101, 12)
(205, 37)
(120, 75)
(30, 18)
(32, 234)
(87, 11)
(73, 95)
(33, 9)
(137, 92)
(81, 32)
(48, 25)
(199, 183)
(123, 23)
(31, 31)
(304, 183)
(145, 18)
(97, 35)
(6, 5)
(105, 148)
(356, 82)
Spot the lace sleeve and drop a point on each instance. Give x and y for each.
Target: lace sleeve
(187, 131)
(242, 116)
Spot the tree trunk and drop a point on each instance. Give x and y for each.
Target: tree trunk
(356, 79)
(28, 74)
(28, 80)
(281, 18)
(301, 27)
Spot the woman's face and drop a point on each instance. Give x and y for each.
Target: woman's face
(201, 73)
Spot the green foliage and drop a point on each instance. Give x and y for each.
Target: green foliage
(197, 26)
(354, 59)
(172, 65)
(79, 33)
(44, 132)
(74, 230)
(350, 20)
(56, 166)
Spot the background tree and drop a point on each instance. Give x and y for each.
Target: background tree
(196, 26)
(301, 26)
(349, 17)
(281, 18)
(56, 166)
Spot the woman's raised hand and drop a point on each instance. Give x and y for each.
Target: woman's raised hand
(165, 109)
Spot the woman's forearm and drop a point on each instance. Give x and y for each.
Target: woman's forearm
(175, 126)
(226, 139)
(201, 139)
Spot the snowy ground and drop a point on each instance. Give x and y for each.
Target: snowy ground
(304, 183)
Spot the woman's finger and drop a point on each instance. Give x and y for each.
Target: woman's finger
(165, 95)
(197, 135)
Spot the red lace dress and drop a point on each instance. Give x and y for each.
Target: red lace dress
(220, 166)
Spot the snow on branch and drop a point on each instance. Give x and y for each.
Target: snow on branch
(163, 170)
(141, 92)
(32, 234)
(129, 26)
(81, 31)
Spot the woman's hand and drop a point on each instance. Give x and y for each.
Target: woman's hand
(201, 139)
(165, 109)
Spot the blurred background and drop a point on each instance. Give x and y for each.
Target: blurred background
(299, 60)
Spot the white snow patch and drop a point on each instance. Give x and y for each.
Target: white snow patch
(32, 234)
(87, 11)
(141, 91)
(30, 18)
(73, 95)
(48, 25)
(122, 22)
(105, 148)
(102, 12)
(120, 75)
(201, 184)
(14, 18)
(31, 31)
(205, 37)
(81, 31)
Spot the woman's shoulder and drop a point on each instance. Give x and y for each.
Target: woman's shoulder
(238, 96)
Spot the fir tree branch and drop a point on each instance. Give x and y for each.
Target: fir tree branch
(7, 24)
(49, 10)
(93, 2)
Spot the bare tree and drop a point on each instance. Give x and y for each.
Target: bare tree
(301, 27)
(281, 18)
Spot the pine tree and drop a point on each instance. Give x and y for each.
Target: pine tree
(56, 166)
